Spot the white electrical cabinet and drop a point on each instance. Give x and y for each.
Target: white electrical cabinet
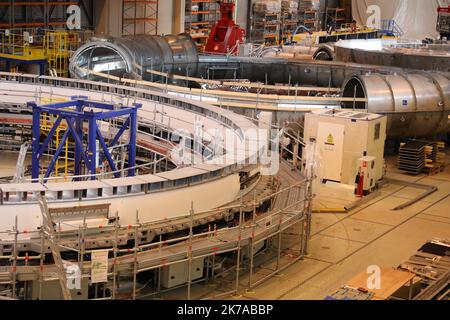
(343, 137)
(177, 274)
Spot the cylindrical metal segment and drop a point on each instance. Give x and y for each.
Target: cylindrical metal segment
(126, 56)
(416, 104)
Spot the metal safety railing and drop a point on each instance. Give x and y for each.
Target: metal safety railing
(247, 234)
(143, 94)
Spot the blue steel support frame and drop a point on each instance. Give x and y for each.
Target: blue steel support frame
(75, 115)
(36, 143)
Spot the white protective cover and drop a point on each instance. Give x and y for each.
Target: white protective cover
(417, 18)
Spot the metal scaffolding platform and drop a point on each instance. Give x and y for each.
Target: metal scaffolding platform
(284, 230)
(139, 17)
(48, 49)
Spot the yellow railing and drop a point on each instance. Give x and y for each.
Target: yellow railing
(22, 43)
(57, 50)
(47, 122)
(55, 46)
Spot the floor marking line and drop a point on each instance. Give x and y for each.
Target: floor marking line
(363, 247)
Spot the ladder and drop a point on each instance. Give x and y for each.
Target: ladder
(49, 230)
(391, 28)
(20, 170)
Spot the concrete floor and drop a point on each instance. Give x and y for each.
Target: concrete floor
(8, 163)
(344, 245)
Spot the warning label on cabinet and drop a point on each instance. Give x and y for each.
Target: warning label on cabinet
(330, 140)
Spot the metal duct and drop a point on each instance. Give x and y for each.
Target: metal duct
(416, 104)
(124, 56)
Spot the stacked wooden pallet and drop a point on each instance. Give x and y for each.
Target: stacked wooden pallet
(440, 157)
(435, 158)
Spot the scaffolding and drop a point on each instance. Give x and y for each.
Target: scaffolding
(335, 17)
(230, 256)
(200, 17)
(58, 52)
(309, 18)
(23, 46)
(289, 23)
(48, 49)
(47, 122)
(42, 13)
(266, 27)
(139, 17)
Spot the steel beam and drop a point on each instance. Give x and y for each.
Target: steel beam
(75, 115)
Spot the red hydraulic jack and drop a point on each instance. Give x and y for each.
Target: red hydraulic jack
(226, 34)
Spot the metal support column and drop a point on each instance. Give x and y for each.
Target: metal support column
(132, 143)
(115, 251)
(36, 144)
(92, 148)
(135, 256)
(191, 234)
(238, 258)
(252, 245)
(15, 255)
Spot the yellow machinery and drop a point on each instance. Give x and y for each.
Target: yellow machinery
(24, 43)
(44, 48)
(57, 51)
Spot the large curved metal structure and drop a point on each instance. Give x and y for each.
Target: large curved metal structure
(417, 104)
(124, 216)
(120, 56)
(187, 183)
(430, 88)
(123, 57)
(392, 53)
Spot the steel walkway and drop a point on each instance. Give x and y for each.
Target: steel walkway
(287, 211)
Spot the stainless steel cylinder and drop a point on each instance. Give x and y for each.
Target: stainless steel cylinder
(125, 56)
(417, 104)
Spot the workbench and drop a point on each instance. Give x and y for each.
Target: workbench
(391, 281)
